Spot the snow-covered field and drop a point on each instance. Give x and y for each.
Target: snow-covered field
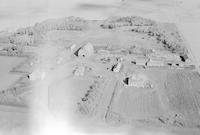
(7, 64)
(172, 105)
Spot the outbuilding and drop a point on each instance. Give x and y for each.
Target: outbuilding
(86, 51)
(117, 67)
(137, 81)
(155, 63)
(184, 57)
(140, 61)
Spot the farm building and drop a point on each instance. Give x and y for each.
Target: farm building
(140, 61)
(102, 51)
(155, 62)
(117, 67)
(165, 55)
(179, 65)
(119, 59)
(184, 57)
(86, 51)
(138, 81)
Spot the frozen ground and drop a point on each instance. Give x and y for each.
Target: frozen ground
(7, 78)
(90, 91)
(98, 99)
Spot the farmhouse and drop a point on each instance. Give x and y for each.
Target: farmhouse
(138, 81)
(117, 67)
(86, 51)
(153, 62)
(140, 61)
(165, 55)
(183, 57)
(175, 64)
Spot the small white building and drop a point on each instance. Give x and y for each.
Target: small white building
(117, 67)
(138, 81)
(176, 64)
(86, 51)
(102, 51)
(156, 63)
(140, 61)
(165, 55)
